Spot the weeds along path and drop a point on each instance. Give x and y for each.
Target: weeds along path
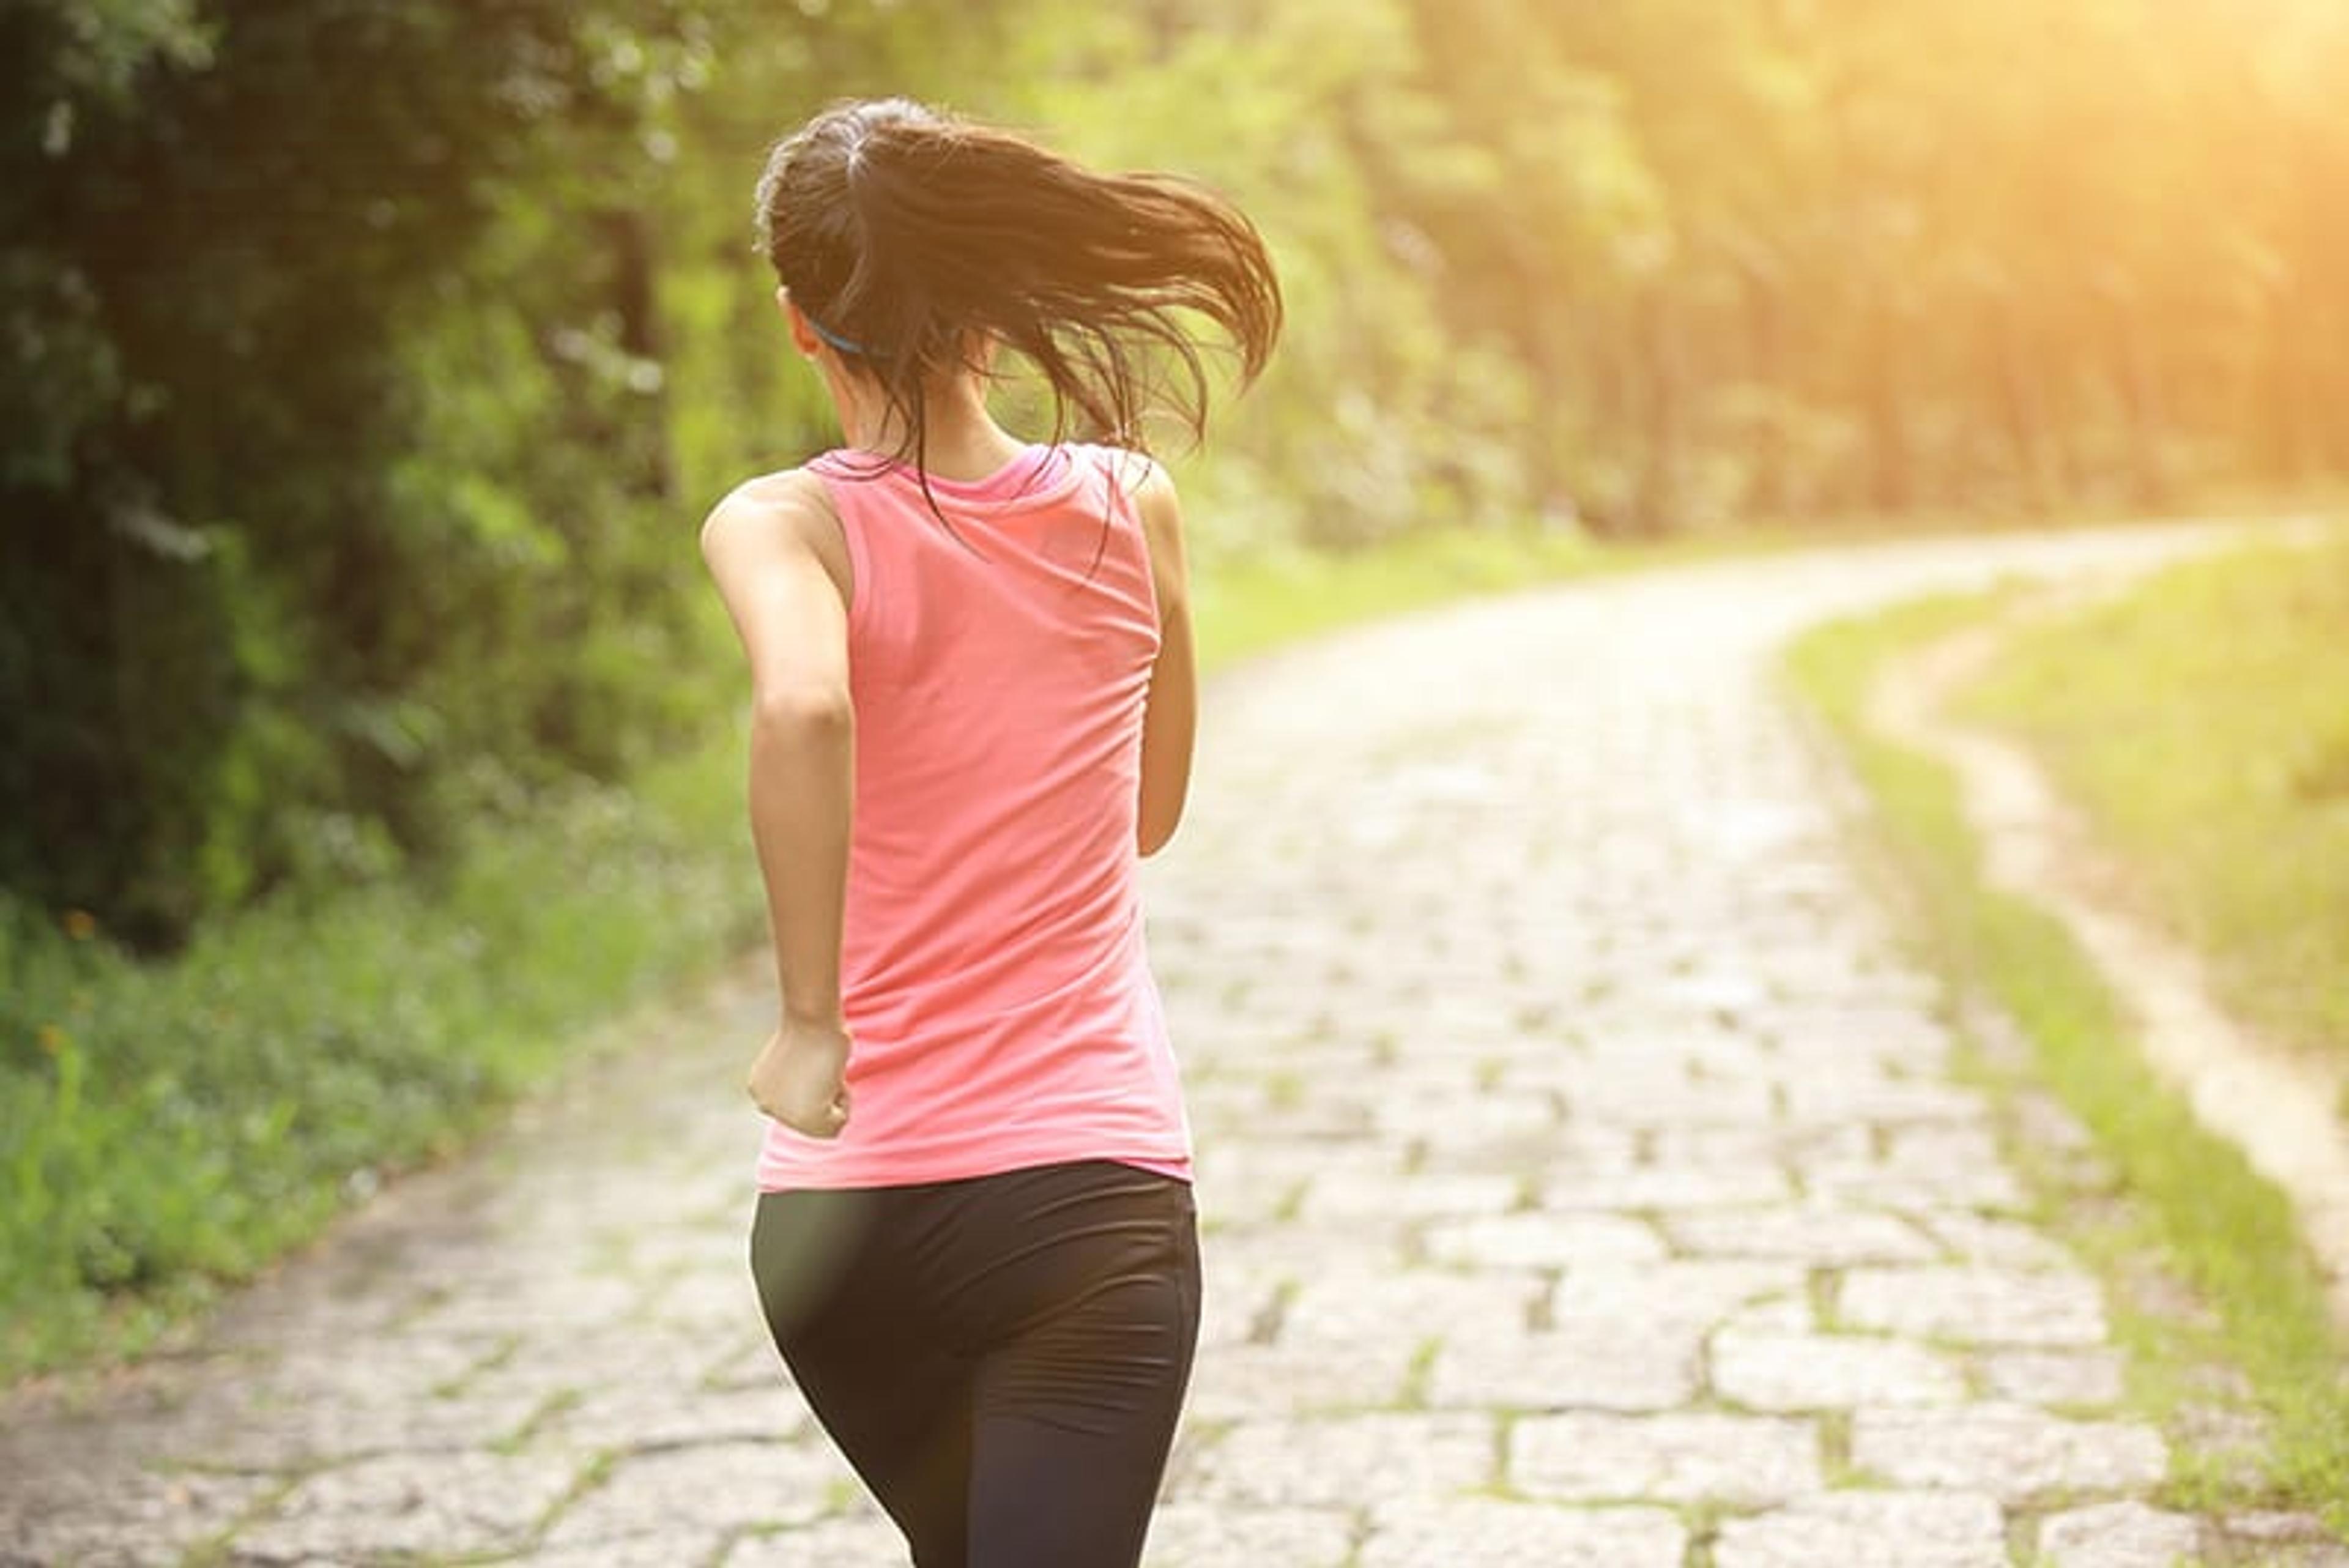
(2280, 1107)
(1585, 1180)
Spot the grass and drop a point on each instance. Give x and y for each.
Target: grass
(1253, 604)
(2202, 723)
(2179, 1194)
(167, 1130)
(167, 1127)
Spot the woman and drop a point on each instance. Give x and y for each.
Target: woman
(974, 707)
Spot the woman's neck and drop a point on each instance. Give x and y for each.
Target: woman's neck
(961, 440)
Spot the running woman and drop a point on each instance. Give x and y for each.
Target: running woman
(974, 700)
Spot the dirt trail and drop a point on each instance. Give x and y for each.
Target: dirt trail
(2281, 1107)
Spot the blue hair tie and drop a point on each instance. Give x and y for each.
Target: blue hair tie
(845, 345)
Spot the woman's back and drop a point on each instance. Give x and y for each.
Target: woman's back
(992, 966)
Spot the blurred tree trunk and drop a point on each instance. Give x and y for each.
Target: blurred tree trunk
(2139, 384)
(1765, 308)
(1661, 491)
(1891, 488)
(2021, 399)
(628, 248)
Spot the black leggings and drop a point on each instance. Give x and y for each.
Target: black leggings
(1002, 1358)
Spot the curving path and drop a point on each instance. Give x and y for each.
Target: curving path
(1586, 1179)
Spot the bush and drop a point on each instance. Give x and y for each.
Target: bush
(165, 1127)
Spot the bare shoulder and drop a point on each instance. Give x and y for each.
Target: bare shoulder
(787, 507)
(1145, 479)
(1137, 471)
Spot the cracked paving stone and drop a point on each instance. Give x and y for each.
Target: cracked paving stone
(1821, 1237)
(1779, 1314)
(624, 1415)
(1543, 1241)
(1668, 1188)
(1868, 1530)
(568, 1366)
(1976, 1305)
(1576, 1365)
(1635, 1100)
(421, 1505)
(1345, 1200)
(2276, 1539)
(1977, 1186)
(583, 1301)
(1826, 1372)
(745, 1360)
(288, 1436)
(1471, 1120)
(1342, 1461)
(723, 1486)
(2012, 1451)
(1496, 1535)
(2083, 1378)
(1695, 1292)
(1700, 1457)
(866, 1539)
(702, 1300)
(2000, 1243)
(1882, 1100)
(144, 1521)
(1287, 1379)
(1237, 1304)
(2117, 1535)
(683, 1546)
(1349, 1305)
(1199, 1535)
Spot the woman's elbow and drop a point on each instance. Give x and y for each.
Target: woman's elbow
(804, 711)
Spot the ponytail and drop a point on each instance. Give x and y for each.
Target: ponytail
(906, 236)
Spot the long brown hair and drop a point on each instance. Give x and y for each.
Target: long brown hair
(906, 235)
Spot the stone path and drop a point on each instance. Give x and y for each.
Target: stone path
(1584, 1182)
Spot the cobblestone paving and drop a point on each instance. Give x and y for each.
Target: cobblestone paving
(1584, 1176)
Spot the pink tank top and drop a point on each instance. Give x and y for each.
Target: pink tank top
(993, 972)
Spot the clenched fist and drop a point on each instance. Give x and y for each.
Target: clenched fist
(801, 1079)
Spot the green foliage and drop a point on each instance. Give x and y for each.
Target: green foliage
(1272, 596)
(2202, 723)
(164, 1127)
(2229, 1235)
(1373, 420)
(241, 255)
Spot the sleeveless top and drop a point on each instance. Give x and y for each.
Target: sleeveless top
(993, 973)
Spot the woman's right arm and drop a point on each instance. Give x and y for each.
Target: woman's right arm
(782, 567)
(1170, 719)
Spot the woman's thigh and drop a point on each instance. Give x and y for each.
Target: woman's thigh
(1086, 1325)
(897, 1403)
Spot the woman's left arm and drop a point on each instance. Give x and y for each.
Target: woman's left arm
(1170, 718)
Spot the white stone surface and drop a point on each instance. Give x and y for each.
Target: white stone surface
(1868, 1530)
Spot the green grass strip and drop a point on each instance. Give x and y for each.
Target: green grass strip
(2202, 723)
(2192, 1197)
(1269, 599)
(165, 1127)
